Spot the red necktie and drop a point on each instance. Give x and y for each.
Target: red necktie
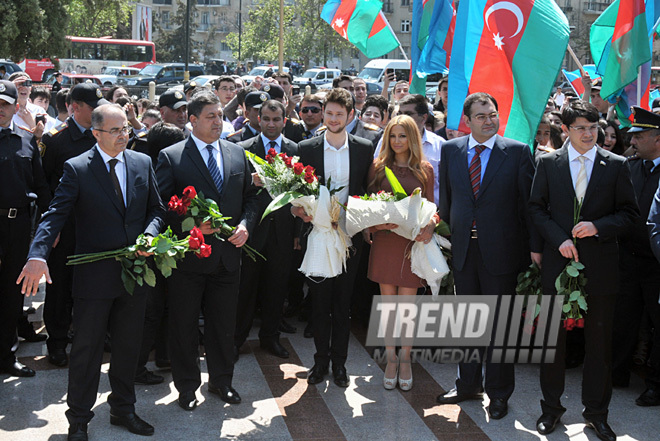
(475, 170)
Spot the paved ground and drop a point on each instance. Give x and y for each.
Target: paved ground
(278, 404)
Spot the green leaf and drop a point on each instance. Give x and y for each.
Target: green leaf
(139, 280)
(251, 156)
(166, 271)
(571, 271)
(194, 211)
(397, 188)
(280, 201)
(137, 269)
(558, 283)
(577, 265)
(188, 224)
(129, 283)
(574, 296)
(163, 246)
(149, 276)
(566, 308)
(582, 302)
(443, 229)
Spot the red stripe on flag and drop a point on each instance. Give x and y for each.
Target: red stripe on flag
(343, 16)
(379, 24)
(625, 19)
(492, 72)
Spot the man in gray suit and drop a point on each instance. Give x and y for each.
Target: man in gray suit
(485, 181)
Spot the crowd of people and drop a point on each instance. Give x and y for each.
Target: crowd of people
(100, 170)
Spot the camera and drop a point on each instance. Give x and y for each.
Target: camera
(295, 89)
(41, 118)
(26, 83)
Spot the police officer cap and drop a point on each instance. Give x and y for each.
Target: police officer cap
(274, 90)
(173, 99)
(256, 99)
(88, 93)
(644, 120)
(655, 107)
(190, 85)
(597, 84)
(8, 91)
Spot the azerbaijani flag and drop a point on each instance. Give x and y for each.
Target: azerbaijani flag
(575, 77)
(421, 17)
(362, 23)
(512, 50)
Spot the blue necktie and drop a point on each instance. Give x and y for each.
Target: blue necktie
(213, 168)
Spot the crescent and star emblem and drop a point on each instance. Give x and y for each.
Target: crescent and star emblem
(511, 7)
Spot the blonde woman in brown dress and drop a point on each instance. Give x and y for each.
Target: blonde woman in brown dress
(389, 261)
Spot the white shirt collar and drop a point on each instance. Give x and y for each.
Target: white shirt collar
(327, 146)
(106, 157)
(573, 154)
(267, 141)
(201, 145)
(490, 142)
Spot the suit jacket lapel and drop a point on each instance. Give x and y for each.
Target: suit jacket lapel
(100, 170)
(353, 158)
(597, 172)
(193, 152)
(131, 173)
(317, 158)
(462, 154)
(259, 148)
(564, 170)
(497, 157)
(226, 165)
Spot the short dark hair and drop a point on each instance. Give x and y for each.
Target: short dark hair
(200, 100)
(19, 74)
(241, 94)
(61, 100)
(286, 75)
(40, 91)
(579, 109)
(313, 98)
(144, 102)
(419, 101)
(442, 80)
(163, 135)
(111, 92)
(340, 96)
(339, 79)
(478, 97)
(273, 105)
(152, 113)
(378, 101)
(223, 79)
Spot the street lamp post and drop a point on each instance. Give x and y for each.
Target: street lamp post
(186, 73)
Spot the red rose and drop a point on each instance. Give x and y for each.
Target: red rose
(193, 243)
(309, 178)
(270, 158)
(282, 155)
(298, 168)
(204, 251)
(356, 196)
(177, 206)
(569, 324)
(579, 323)
(197, 234)
(189, 192)
(287, 162)
(272, 152)
(309, 169)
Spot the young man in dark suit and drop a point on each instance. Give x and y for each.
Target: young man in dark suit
(581, 171)
(219, 170)
(344, 159)
(485, 181)
(273, 238)
(112, 194)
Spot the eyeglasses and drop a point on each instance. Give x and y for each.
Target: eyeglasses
(582, 129)
(314, 110)
(228, 89)
(482, 118)
(116, 131)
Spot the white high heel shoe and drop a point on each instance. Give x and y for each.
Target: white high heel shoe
(406, 385)
(390, 383)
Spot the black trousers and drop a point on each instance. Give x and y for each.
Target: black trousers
(59, 302)
(474, 279)
(218, 293)
(640, 287)
(14, 245)
(155, 323)
(331, 315)
(123, 317)
(266, 282)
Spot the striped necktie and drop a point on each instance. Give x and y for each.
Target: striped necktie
(213, 168)
(475, 170)
(581, 183)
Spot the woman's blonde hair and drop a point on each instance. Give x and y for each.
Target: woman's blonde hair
(386, 156)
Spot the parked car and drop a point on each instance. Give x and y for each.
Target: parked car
(70, 80)
(10, 66)
(109, 77)
(372, 88)
(260, 71)
(164, 75)
(317, 76)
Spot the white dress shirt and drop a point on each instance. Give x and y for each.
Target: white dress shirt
(201, 145)
(336, 163)
(574, 162)
(120, 169)
(266, 141)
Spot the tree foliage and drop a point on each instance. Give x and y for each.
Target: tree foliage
(32, 28)
(306, 35)
(99, 18)
(171, 43)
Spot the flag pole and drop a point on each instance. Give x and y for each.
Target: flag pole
(575, 58)
(395, 37)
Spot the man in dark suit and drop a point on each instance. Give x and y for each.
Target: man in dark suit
(273, 238)
(640, 271)
(584, 172)
(219, 170)
(70, 139)
(345, 159)
(253, 102)
(113, 195)
(485, 181)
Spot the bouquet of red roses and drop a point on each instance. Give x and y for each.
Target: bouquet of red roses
(166, 248)
(198, 209)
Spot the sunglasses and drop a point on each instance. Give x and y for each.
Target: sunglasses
(310, 109)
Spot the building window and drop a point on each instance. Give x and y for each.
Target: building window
(405, 3)
(204, 23)
(387, 6)
(224, 47)
(405, 26)
(162, 2)
(165, 19)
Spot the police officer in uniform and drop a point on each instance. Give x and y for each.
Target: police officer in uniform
(21, 181)
(640, 271)
(253, 102)
(294, 130)
(70, 139)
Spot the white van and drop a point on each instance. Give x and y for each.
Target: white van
(374, 72)
(317, 76)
